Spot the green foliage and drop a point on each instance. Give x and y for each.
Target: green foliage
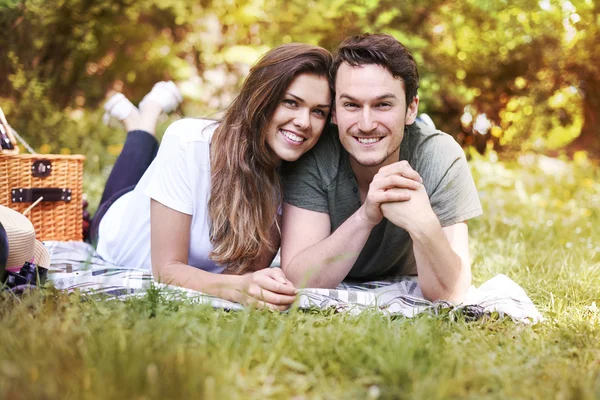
(531, 67)
(539, 228)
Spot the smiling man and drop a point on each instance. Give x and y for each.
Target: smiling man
(381, 196)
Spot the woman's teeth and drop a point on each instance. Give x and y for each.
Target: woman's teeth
(292, 136)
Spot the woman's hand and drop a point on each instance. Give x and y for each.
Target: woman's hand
(267, 288)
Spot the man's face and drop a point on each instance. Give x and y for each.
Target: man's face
(371, 113)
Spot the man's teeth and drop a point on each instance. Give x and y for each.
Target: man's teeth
(368, 140)
(292, 136)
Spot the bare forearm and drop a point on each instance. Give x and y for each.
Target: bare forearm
(327, 263)
(443, 275)
(176, 273)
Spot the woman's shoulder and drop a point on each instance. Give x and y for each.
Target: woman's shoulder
(189, 130)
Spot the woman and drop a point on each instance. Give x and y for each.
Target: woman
(209, 202)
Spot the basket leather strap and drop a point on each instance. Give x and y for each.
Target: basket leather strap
(29, 195)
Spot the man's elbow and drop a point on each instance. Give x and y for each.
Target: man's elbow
(454, 294)
(303, 278)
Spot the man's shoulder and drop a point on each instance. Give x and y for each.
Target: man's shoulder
(426, 139)
(323, 159)
(328, 148)
(427, 145)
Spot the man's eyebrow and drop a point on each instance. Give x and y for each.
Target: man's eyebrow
(301, 100)
(382, 97)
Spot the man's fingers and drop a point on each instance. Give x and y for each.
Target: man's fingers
(401, 168)
(392, 195)
(396, 181)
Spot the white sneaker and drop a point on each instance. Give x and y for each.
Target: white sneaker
(166, 94)
(118, 107)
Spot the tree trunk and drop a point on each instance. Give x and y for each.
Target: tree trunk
(589, 138)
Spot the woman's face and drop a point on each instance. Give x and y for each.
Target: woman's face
(300, 117)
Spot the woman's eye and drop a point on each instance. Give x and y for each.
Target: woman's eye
(291, 103)
(320, 112)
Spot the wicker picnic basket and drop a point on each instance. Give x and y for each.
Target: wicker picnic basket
(48, 189)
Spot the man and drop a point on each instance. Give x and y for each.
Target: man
(383, 196)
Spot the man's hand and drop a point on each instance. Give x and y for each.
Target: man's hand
(411, 214)
(393, 183)
(267, 288)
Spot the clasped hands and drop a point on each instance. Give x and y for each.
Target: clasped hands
(397, 193)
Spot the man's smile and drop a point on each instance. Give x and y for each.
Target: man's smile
(368, 140)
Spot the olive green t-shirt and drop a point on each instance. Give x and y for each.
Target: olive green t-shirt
(322, 180)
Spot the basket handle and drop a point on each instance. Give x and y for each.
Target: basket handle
(30, 195)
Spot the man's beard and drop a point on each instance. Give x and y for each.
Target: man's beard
(376, 133)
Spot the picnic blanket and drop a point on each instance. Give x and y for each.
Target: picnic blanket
(76, 266)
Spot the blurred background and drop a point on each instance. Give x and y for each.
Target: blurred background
(505, 78)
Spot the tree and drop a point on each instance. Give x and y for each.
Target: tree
(532, 68)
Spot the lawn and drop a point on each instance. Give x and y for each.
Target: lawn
(539, 228)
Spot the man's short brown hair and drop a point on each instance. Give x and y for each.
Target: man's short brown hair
(379, 49)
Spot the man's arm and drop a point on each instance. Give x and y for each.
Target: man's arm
(312, 256)
(443, 264)
(441, 254)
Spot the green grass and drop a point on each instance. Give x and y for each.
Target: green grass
(539, 228)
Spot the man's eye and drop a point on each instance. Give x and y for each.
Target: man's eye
(350, 105)
(384, 105)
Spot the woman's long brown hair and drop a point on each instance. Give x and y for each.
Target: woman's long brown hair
(245, 187)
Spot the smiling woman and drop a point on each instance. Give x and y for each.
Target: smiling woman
(300, 118)
(208, 203)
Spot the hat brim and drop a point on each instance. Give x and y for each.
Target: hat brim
(41, 255)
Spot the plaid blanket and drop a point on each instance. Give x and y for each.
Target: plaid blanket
(76, 266)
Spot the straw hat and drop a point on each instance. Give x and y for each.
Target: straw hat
(22, 246)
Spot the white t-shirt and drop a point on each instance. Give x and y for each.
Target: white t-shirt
(179, 178)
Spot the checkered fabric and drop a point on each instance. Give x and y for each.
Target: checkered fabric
(76, 266)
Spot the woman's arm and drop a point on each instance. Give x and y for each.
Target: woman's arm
(170, 243)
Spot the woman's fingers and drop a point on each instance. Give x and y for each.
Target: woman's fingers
(274, 307)
(274, 280)
(262, 292)
(269, 288)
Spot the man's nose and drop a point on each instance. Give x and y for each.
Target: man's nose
(366, 123)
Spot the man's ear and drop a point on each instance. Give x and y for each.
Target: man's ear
(333, 116)
(411, 112)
